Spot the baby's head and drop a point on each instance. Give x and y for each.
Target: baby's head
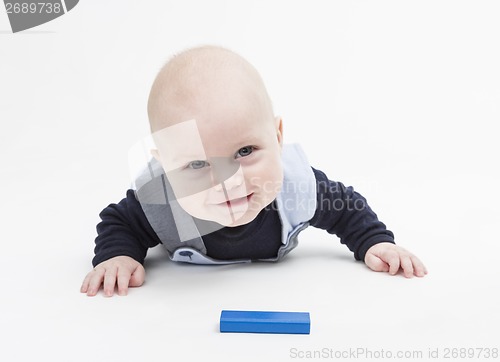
(216, 135)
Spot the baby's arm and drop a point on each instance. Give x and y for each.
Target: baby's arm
(387, 257)
(343, 212)
(123, 238)
(120, 271)
(360, 229)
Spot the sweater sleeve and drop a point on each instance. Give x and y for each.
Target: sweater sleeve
(123, 231)
(345, 213)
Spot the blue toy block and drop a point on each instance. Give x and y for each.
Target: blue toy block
(238, 321)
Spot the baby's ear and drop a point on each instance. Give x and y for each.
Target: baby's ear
(279, 129)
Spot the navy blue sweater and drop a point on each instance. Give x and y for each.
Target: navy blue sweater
(125, 230)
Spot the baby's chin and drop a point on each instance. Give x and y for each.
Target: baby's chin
(237, 220)
(245, 219)
(235, 217)
(250, 215)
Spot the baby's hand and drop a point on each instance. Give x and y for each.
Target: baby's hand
(122, 271)
(387, 257)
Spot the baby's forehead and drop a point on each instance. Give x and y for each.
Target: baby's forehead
(210, 116)
(217, 138)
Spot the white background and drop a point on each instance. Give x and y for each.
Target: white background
(397, 98)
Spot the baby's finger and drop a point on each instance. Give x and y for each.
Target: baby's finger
(109, 281)
(375, 263)
(137, 277)
(407, 266)
(85, 284)
(95, 281)
(123, 281)
(420, 269)
(393, 260)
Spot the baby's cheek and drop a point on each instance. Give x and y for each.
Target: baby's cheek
(274, 176)
(193, 204)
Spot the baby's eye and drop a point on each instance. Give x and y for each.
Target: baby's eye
(196, 165)
(244, 151)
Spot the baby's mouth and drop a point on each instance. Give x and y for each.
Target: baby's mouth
(239, 201)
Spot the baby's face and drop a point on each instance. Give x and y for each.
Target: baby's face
(224, 161)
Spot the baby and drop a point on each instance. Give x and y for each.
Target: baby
(222, 188)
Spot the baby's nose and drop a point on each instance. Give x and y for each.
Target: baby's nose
(233, 182)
